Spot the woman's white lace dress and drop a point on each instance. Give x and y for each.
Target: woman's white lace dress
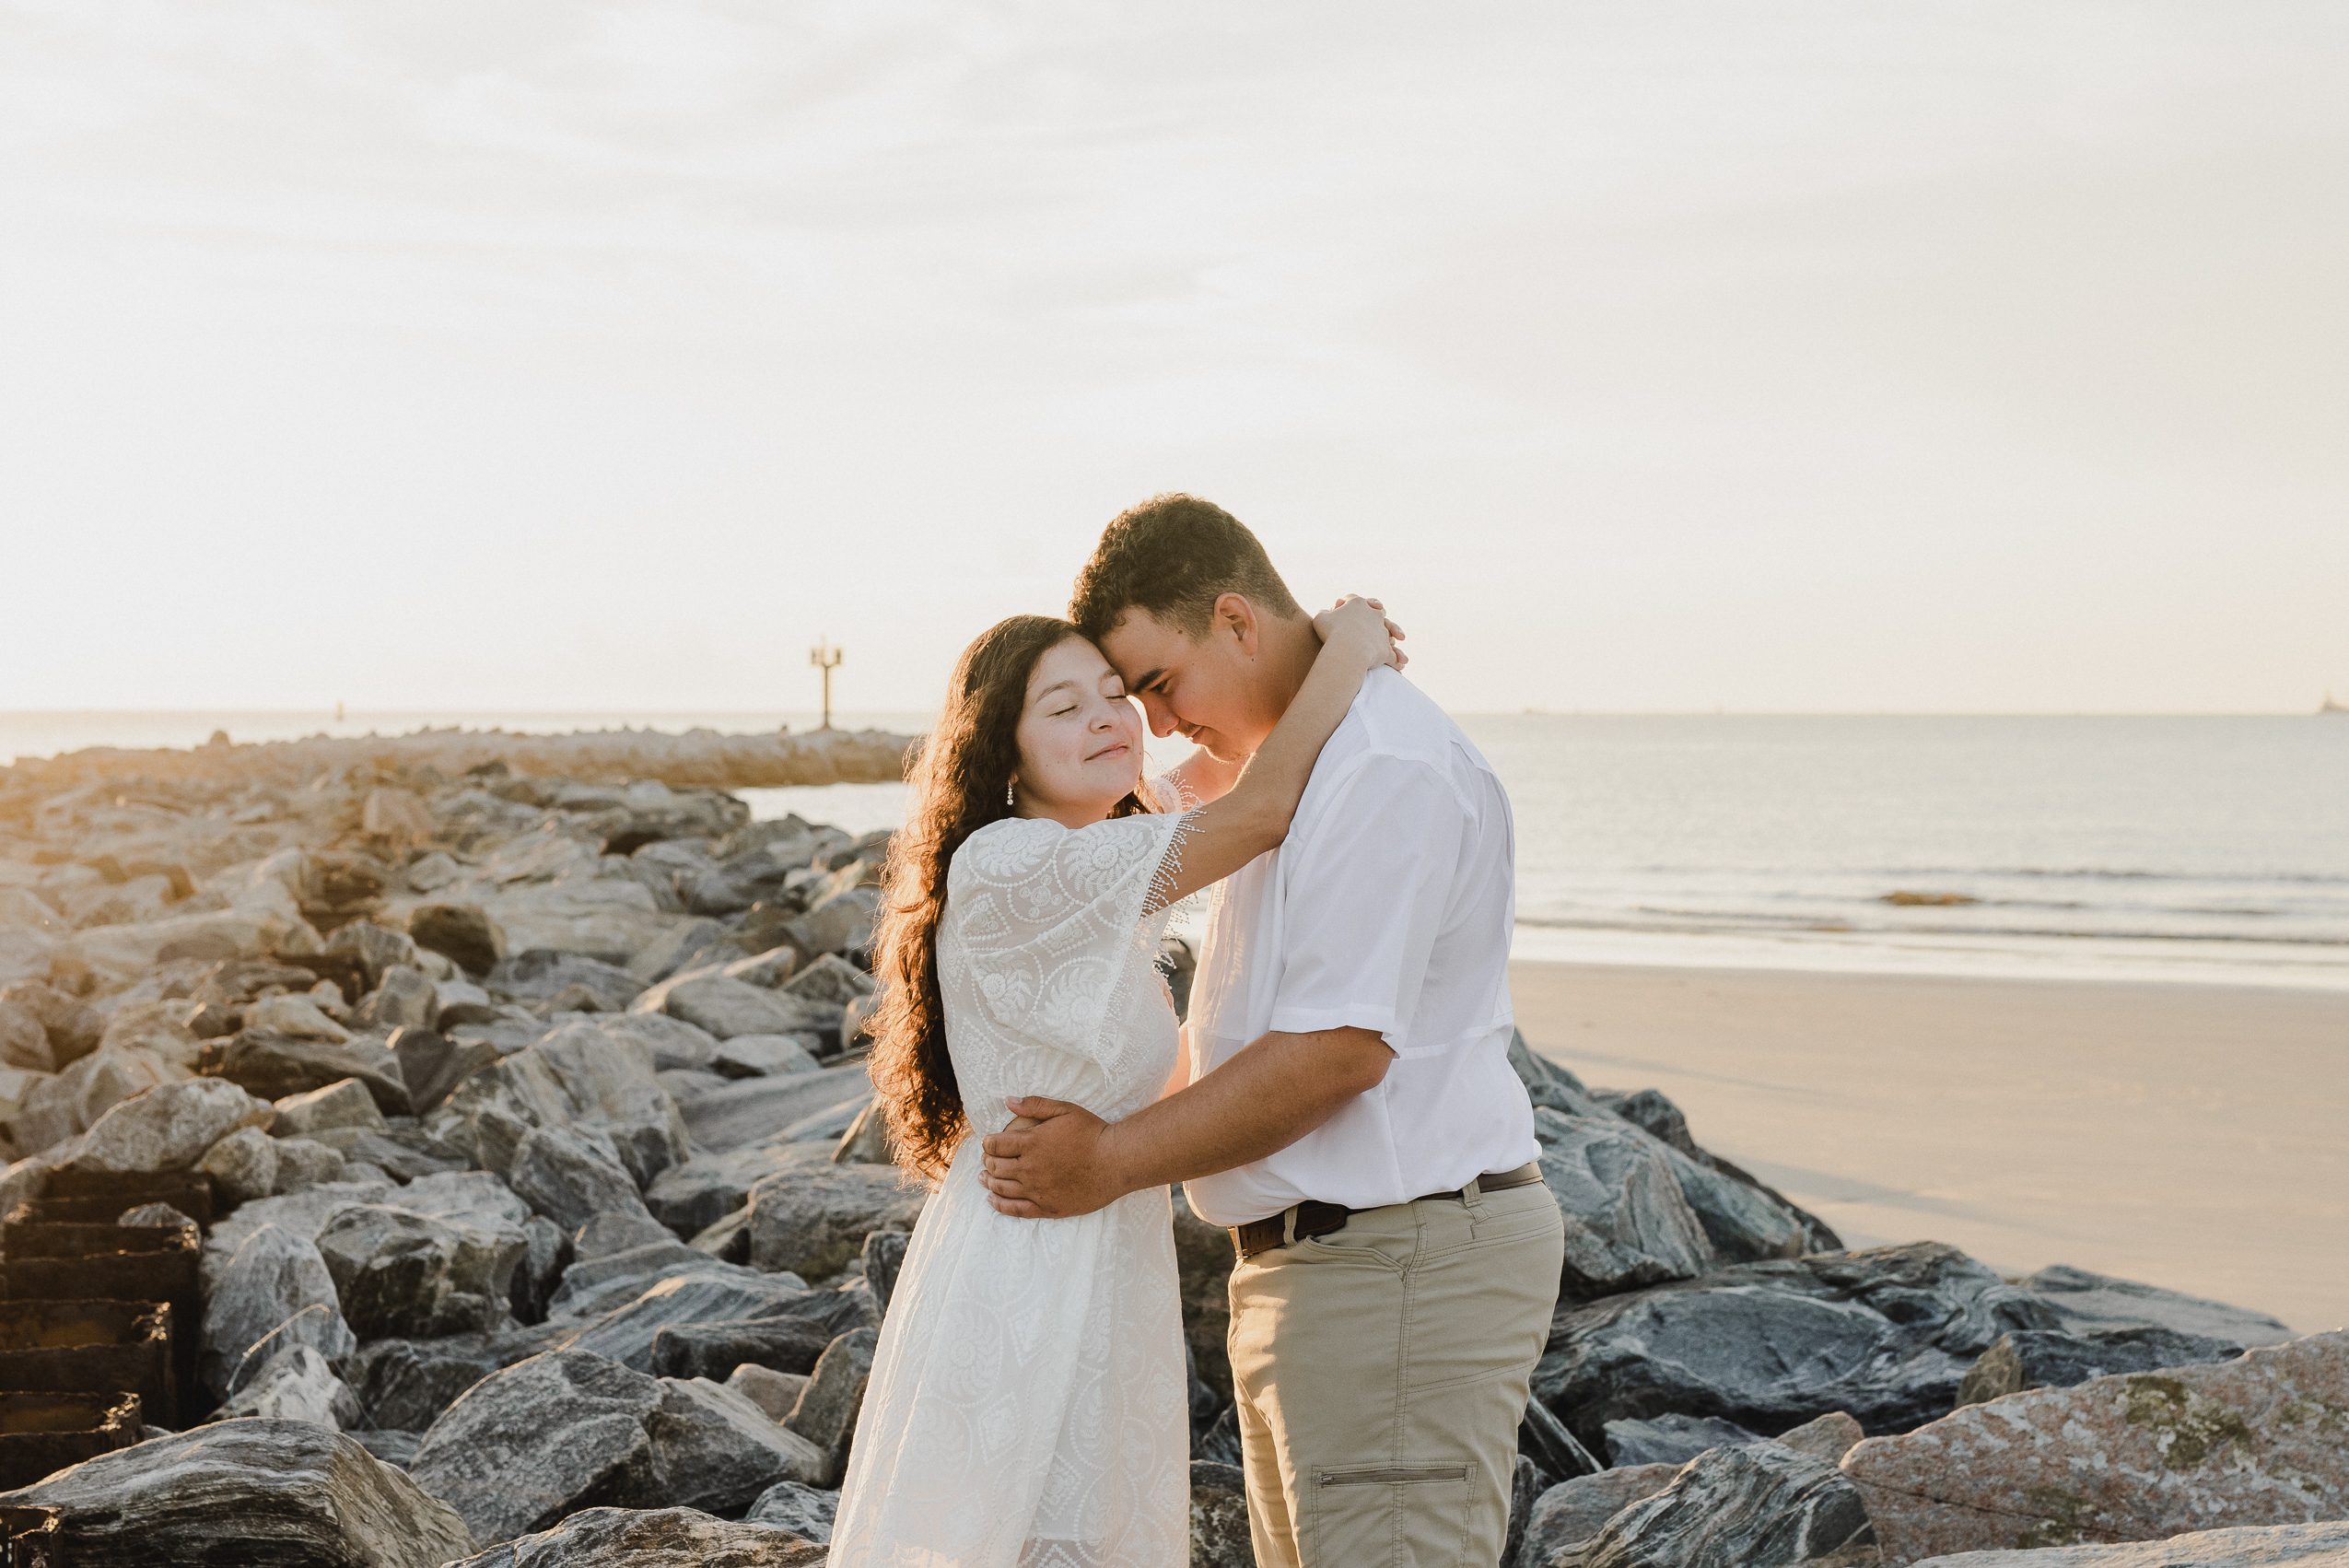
(1026, 1408)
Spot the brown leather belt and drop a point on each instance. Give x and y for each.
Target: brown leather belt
(1320, 1219)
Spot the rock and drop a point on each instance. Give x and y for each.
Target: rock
(832, 981)
(666, 1538)
(826, 1413)
(345, 1103)
(465, 932)
(764, 1056)
(1627, 1223)
(295, 1385)
(274, 1066)
(775, 1346)
(1544, 1439)
(319, 1327)
(303, 1164)
(294, 1015)
(713, 1450)
(72, 1025)
(288, 1493)
(593, 1286)
(768, 969)
(56, 1108)
(1828, 1439)
(406, 1384)
(751, 1111)
(1219, 1535)
(433, 872)
(711, 1293)
(1753, 1507)
(168, 1128)
(798, 1507)
(404, 1001)
(773, 1392)
(579, 1076)
(376, 949)
(828, 1127)
(542, 973)
(865, 1141)
(2046, 1358)
(727, 1008)
(1573, 1511)
(690, 1198)
(679, 949)
(2139, 1457)
(24, 1044)
(547, 1253)
(1885, 1334)
(814, 1220)
(675, 1044)
(519, 1449)
(394, 1448)
(2085, 1302)
(432, 1065)
(275, 1274)
(571, 1174)
(884, 1254)
(1527, 1481)
(1219, 1438)
(244, 1165)
(839, 924)
(1671, 1439)
(400, 1273)
(618, 1230)
(302, 1214)
(2253, 1547)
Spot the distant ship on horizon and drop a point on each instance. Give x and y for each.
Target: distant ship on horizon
(2331, 706)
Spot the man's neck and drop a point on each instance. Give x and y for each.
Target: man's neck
(1285, 654)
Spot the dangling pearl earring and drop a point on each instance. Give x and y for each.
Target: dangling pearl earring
(1007, 796)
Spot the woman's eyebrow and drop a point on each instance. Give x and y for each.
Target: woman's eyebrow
(1050, 689)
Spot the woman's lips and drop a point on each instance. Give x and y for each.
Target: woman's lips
(1109, 751)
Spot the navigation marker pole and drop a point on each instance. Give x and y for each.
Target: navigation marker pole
(826, 659)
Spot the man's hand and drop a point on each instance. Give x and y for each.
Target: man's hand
(1052, 1163)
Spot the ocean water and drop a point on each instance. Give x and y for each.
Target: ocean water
(2175, 849)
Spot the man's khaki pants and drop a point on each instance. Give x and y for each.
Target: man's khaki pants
(1381, 1372)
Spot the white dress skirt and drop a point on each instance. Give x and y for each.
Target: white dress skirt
(1026, 1408)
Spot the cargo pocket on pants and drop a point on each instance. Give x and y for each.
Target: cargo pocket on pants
(1408, 1516)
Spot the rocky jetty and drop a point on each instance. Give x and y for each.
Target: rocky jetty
(458, 1150)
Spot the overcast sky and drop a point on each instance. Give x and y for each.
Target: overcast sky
(1644, 356)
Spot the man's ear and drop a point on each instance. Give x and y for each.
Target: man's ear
(1235, 617)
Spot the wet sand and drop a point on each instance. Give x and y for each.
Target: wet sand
(2195, 1137)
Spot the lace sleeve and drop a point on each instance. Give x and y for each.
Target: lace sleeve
(1049, 921)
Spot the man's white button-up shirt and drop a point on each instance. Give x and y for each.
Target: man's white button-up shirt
(1389, 907)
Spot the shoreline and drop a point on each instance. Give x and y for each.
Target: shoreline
(2183, 1134)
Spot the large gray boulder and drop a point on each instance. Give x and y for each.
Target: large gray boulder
(577, 1076)
(168, 1128)
(1219, 1518)
(781, 1344)
(1627, 1222)
(528, 1444)
(571, 1174)
(713, 1450)
(1763, 1506)
(541, 973)
(402, 1273)
(755, 1109)
(275, 1273)
(376, 948)
(692, 1197)
(665, 1537)
(405, 1000)
(1672, 1439)
(2085, 1303)
(728, 1007)
(716, 1292)
(1886, 1334)
(259, 1494)
(2048, 1358)
(1572, 1512)
(320, 1327)
(404, 1384)
(295, 1383)
(805, 1511)
(826, 1413)
(675, 1044)
(814, 1220)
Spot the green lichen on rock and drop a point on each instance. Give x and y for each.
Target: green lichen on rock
(2187, 1429)
(2063, 1518)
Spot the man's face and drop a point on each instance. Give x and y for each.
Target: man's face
(1206, 689)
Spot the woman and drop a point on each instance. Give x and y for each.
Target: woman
(1026, 1405)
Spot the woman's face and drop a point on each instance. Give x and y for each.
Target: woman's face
(1080, 740)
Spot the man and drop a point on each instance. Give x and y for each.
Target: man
(1351, 1115)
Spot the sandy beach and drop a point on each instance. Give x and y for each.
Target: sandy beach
(2196, 1137)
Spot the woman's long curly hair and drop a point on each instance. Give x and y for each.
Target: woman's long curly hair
(959, 787)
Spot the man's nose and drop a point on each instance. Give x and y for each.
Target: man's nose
(1163, 722)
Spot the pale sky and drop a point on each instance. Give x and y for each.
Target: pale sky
(1644, 356)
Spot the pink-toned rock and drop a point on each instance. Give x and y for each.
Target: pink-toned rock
(2312, 1546)
(2141, 1457)
(1830, 1437)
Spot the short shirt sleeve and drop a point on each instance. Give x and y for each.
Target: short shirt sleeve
(1048, 919)
(1364, 901)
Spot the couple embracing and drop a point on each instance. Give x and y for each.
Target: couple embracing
(1340, 1097)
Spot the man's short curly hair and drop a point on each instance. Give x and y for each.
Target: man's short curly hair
(1175, 555)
